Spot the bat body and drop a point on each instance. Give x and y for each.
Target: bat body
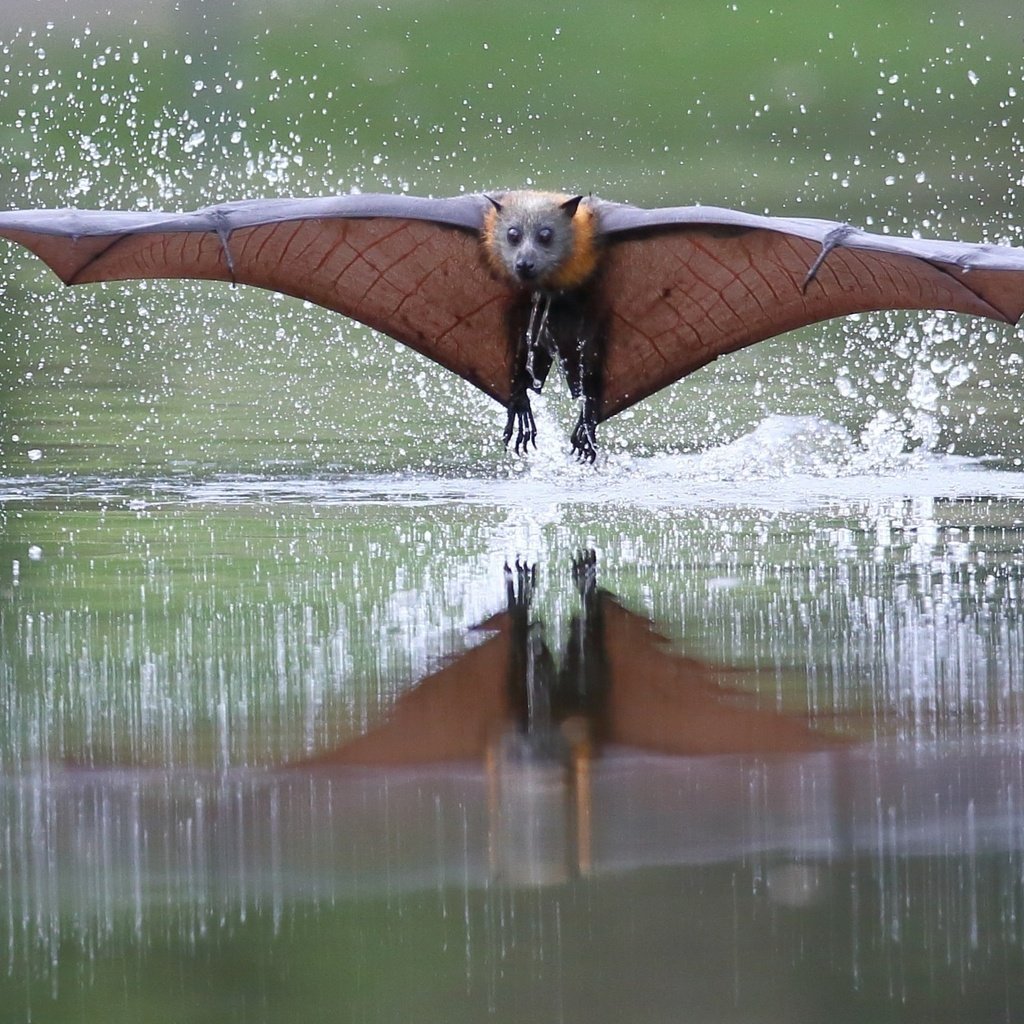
(497, 288)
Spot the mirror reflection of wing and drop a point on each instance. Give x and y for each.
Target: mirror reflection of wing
(643, 694)
(619, 682)
(458, 711)
(499, 288)
(673, 703)
(451, 715)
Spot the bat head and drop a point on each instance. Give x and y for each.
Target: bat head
(541, 240)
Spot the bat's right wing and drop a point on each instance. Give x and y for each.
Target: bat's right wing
(674, 704)
(407, 266)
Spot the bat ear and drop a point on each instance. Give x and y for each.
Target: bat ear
(569, 206)
(494, 202)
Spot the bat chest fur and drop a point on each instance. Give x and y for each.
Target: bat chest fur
(563, 327)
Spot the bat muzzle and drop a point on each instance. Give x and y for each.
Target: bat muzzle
(526, 269)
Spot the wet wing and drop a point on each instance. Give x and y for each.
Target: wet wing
(406, 266)
(686, 285)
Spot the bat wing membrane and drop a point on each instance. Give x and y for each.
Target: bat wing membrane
(686, 285)
(682, 285)
(407, 266)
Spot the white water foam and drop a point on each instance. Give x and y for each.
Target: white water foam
(785, 463)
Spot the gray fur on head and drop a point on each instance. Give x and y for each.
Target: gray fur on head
(532, 235)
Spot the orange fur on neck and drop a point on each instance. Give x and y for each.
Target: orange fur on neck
(491, 250)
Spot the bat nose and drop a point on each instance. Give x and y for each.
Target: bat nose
(526, 268)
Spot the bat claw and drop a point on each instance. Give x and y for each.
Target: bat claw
(584, 440)
(584, 452)
(521, 422)
(833, 240)
(519, 586)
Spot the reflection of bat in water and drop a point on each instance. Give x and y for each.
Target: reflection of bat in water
(497, 288)
(618, 683)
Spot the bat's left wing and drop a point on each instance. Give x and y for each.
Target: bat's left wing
(685, 285)
(408, 266)
(449, 716)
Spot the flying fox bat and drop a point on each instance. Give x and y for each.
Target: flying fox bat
(497, 287)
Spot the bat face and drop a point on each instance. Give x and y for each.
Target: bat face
(499, 288)
(541, 241)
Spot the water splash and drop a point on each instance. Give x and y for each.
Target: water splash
(785, 462)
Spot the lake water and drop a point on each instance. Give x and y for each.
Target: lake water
(738, 740)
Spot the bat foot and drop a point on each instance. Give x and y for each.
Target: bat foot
(584, 571)
(520, 585)
(585, 453)
(520, 422)
(584, 440)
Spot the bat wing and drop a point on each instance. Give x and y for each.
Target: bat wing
(449, 716)
(674, 704)
(410, 267)
(685, 285)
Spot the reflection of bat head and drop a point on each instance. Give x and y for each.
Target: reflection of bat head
(541, 240)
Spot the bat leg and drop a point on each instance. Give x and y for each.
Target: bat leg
(584, 571)
(521, 422)
(584, 435)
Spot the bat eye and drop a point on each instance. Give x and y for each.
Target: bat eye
(514, 236)
(545, 236)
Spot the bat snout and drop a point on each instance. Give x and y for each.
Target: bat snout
(526, 268)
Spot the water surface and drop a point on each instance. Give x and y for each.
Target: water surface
(210, 681)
